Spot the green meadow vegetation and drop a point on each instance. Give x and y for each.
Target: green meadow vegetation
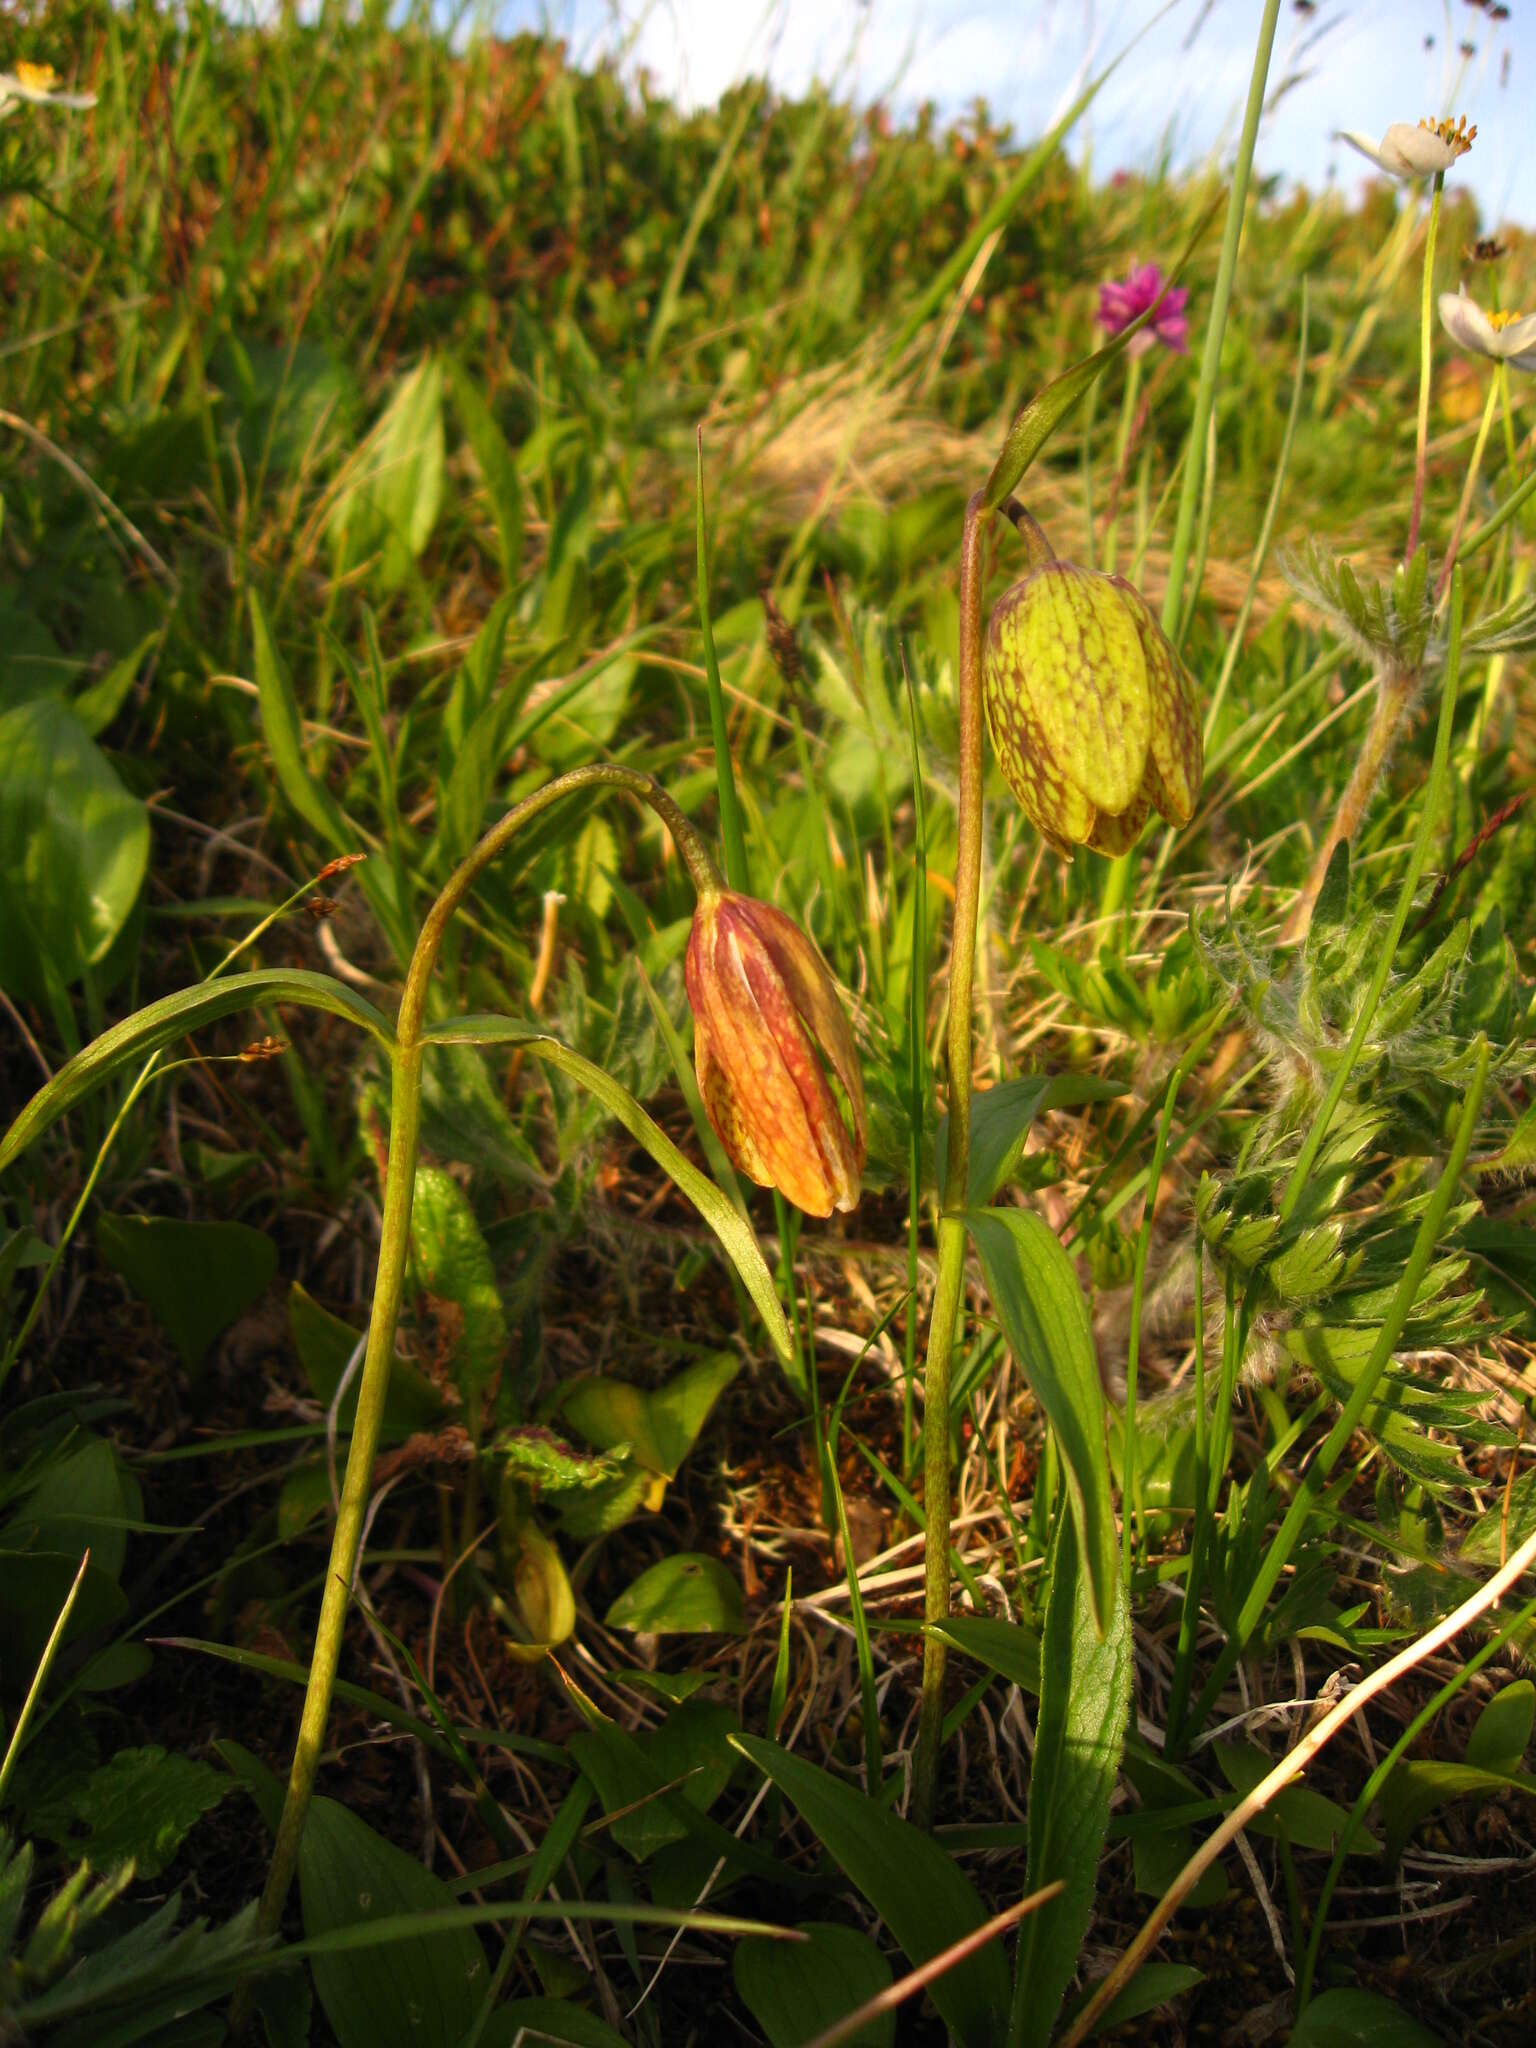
(585, 1460)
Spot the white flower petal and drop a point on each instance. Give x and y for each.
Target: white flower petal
(1367, 148)
(1467, 324)
(1526, 360)
(1416, 152)
(1517, 339)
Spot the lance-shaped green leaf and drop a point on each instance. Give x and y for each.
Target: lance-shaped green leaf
(1045, 1320)
(734, 1232)
(1085, 1698)
(1000, 1122)
(1037, 419)
(173, 1017)
(920, 1892)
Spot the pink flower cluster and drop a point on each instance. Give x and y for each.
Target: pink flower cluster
(1120, 304)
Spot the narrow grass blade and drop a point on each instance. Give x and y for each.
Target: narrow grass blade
(173, 1017)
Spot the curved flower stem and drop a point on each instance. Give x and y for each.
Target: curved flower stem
(946, 1299)
(394, 1242)
(1426, 310)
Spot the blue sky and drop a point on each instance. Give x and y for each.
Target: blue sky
(1357, 63)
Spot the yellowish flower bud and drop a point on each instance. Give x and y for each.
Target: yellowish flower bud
(775, 1055)
(1091, 711)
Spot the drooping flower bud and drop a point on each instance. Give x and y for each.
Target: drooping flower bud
(774, 1051)
(1091, 711)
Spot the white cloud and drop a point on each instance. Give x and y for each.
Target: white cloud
(1367, 66)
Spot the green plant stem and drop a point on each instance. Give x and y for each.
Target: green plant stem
(18, 1735)
(394, 1244)
(1473, 467)
(732, 838)
(1118, 883)
(1122, 458)
(1426, 313)
(946, 1299)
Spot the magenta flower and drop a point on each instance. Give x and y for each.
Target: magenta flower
(1120, 304)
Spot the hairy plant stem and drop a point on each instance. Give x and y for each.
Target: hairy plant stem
(946, 1299)
(1396, 690)
(389, 1282)
(1426, 311)
(1474, 467)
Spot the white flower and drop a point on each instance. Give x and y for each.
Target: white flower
(1506, 337)
(1406, 151)
(37, 85)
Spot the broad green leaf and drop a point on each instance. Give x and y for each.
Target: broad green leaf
(325, 1345)
(1045, 1320)
(173, 1017)
(86, 1497)
(1298, 1814)
(1005, 1647)
(142, 1805)
(1085, 1699)
(734, 1233)
(1416, 1789)
(419, 1990)
(97, 706)
(74, 846)
(1000, 1121)
(1485, 1541)
(922, 1895)
(453, 1266)
(1359, 2019)
(690, 1752)
(524, 2022)
(687, 1594)
(1503, 1731)
(34, 1584)
(796, 1993)
(497, 465)
(1154, 1984)
(197, 1277)
(392, 492)
(283, 730)
(660, 1426)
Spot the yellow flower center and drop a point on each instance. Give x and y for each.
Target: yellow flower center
(37, 77)
(1456, 135)
(1498, 320)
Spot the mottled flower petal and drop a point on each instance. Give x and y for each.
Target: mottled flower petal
(1091, 711)
(766, 1018)
(1049, 799)
(1177, 746)
(1074, 650)
(1118, 835)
